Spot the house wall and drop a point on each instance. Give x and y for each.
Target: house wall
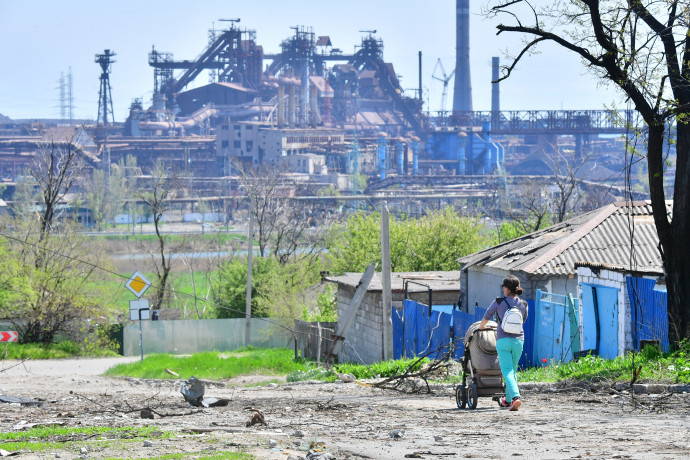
(364, 339)
(483, 285)
(612, 279)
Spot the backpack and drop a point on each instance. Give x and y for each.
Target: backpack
(512, 319)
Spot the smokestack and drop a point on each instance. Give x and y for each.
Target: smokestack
(495, 90)
(314, 103)
(281, 106)
(462, 92)
(291, 107)
(419, 96)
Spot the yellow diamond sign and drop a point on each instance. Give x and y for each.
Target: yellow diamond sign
(138, 284)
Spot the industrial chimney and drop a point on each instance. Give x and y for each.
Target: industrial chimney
(462, 93)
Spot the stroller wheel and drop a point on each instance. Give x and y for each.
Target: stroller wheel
(461, 396)
(472, 396)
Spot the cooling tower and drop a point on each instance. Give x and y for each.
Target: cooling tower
(462, 92)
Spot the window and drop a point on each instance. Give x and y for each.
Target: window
(224, 144)
(250, 145)
(237, 144)
(224, 128)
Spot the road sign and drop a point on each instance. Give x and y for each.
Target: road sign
(138, 284)
(139, 309)
(8, 336)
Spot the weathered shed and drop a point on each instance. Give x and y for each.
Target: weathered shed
(364, 340)
(621, 234)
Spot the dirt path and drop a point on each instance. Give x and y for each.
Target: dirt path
(352, 421)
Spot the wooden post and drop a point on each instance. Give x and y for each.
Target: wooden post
(386, 295)
(250, 259)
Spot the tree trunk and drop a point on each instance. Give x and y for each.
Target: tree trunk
(677, 251)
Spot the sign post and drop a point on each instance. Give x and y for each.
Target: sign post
(9, 336)
(139, 309)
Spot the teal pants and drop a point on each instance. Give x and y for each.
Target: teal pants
(509, 352)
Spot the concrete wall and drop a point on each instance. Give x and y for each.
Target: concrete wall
(191, 336)
(364, 339)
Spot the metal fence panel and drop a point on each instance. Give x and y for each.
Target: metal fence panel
(192, 336)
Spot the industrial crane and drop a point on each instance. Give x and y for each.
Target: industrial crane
(445, 79)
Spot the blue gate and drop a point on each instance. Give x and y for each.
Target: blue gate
(415, 333)
(600, 320)
(648, 311)
(556, 335)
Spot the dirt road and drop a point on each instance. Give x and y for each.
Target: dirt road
(348, 421)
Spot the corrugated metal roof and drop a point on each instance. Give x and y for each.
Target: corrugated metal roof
(437, 281)
(602, 236)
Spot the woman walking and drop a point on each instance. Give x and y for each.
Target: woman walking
(508, 346)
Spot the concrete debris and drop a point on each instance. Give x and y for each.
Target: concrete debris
(20, 400)
(193, 391)
(148, 443)
(83, 451)
(24, 425)
(4, 453)
(397, 434)
(257, 418)
(273, 443)
(314, 455)
(298, 434)
(347, 378)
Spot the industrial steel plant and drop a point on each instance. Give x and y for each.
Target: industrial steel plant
(324, 118)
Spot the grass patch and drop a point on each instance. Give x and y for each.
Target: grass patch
(42, 438)
(213, 365)
(656, 367)
(217, 455)
(66, 349)
(382, 369)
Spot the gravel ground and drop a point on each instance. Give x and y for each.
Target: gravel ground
(346, 420)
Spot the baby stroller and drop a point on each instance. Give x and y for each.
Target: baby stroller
(481, 374)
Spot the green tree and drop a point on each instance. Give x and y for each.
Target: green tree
(433, 242)
(279, 290)
(642, 48)
(230, 286)
(47, 287)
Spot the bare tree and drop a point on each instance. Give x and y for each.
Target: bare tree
(641, 47)
(564, 169)
(57, 166)
(283, 225)
(529, 208)
(157, 198)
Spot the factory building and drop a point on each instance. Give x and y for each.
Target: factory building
(260, 143)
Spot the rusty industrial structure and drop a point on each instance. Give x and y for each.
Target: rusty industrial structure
(318, 114)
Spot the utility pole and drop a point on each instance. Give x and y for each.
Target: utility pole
(386, 299)
(250, 258)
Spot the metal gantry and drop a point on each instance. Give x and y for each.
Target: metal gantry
(105, 97)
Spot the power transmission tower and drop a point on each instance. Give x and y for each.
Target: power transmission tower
(105, 97)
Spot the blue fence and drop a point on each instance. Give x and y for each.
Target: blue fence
(648, 311)
(416, 333)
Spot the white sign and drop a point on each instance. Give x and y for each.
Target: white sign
(136, 306)
(138, 284)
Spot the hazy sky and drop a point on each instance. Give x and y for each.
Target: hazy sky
(39, 39)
